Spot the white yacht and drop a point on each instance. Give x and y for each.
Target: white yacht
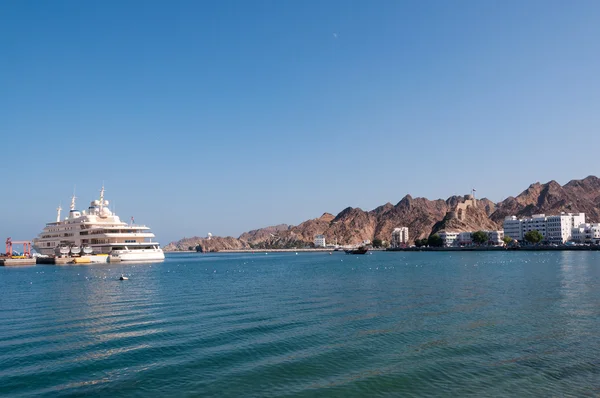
(99, 231)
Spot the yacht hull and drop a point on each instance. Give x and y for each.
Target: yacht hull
(139, 255)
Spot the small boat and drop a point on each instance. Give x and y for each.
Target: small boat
(123, 278)
(358, 250)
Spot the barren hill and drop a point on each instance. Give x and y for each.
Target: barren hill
(422, 217)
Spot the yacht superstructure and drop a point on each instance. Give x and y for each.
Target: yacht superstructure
(100, 230)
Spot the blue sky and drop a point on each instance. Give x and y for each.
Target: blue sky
(233, 115)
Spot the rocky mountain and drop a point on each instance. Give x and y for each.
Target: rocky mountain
(263, 234)
(552, 198)
(292, 236)
(422, 217)
(214, 244)
(475, 219)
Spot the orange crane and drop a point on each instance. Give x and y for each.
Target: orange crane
(26, 247)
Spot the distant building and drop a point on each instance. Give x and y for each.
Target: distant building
(586, 233)
(554, 229)
(399, 237)
(559, 228)
(465, 238)
(452, 239)
(320, 241)
(449, 238)
(495, 237)
(512, 228)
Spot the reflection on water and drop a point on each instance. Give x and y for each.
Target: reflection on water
(387, 324)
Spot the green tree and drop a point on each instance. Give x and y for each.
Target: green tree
(534, 236)
(435, 241)
(419, 242)
(377, 242)
(507, 240)
(479, 237)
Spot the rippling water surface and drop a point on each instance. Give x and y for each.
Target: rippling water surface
(312, 324)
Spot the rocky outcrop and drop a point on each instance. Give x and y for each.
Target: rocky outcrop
(552, 198)
(263, 234)
(301, 235)
(422, 217)
(213, 244)
(474, 219)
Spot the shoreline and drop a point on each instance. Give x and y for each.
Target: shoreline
(261, 251)
(498, 248)
(410, 249)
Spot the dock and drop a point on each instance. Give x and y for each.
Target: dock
(11, 262)
(54, 260)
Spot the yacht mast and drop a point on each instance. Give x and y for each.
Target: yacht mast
(101, 199)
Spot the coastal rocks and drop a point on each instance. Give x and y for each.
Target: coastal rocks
(212, 244)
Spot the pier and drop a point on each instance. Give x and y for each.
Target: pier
(9, 261)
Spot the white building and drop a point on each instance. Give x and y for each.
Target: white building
(319, 240)
(555, 229)
(465, 238)
(537, 222)
(512, 228)
(586, 233)
(495, 237)
(559, 228)
(399, 237)
(449, 238)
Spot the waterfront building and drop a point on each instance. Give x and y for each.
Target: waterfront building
(399, 237)
(559, 228)
(495, 237)
(449, 238)
(512, 228)
(465, 238)
(320, 241)
(537, 222)
(555, 229)
(586, 233)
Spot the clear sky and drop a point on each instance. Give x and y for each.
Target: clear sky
(227, 116)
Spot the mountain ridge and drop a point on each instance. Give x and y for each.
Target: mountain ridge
(422, 216)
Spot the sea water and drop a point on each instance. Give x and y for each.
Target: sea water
(313, 324)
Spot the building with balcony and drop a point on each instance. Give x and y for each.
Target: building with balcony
(555, 229)
(450, 239)
(320, 241)
(399, 237)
